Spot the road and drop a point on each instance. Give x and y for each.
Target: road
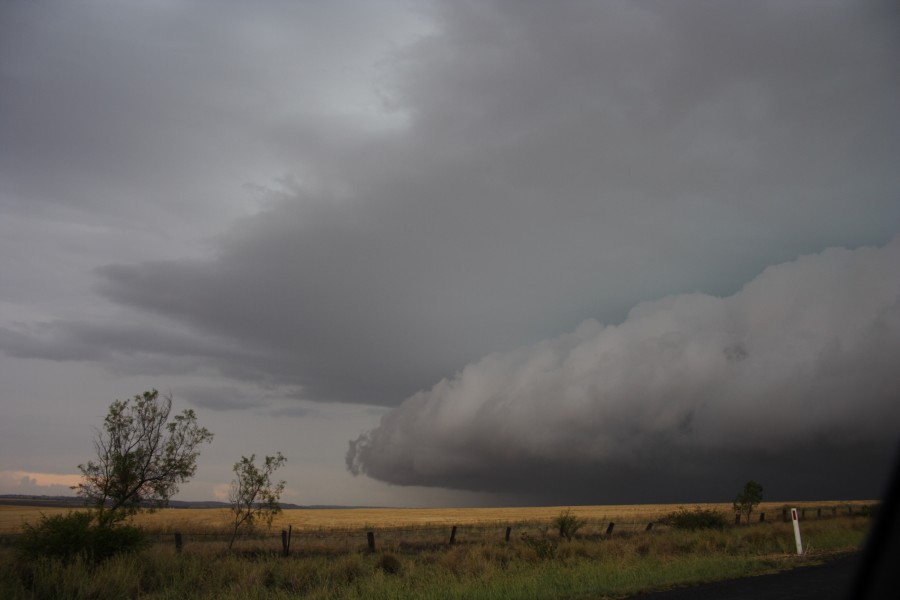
(829, 581)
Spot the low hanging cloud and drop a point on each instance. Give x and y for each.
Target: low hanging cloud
(800, 363)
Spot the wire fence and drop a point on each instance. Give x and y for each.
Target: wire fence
(333, 540)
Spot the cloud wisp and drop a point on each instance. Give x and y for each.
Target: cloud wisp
(800, 363)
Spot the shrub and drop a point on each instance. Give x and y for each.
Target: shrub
(75, 535)
(390, 564)
(544, 548)
(699, 518)
(568, 524)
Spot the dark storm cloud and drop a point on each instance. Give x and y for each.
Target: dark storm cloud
(537, 164)
(779, 379)
(130, 348)
(556, 162)
(220, 398)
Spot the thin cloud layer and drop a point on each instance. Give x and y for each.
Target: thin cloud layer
(800, 360)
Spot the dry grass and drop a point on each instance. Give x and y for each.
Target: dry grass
(216, 519)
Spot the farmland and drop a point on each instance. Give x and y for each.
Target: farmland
(330, 559)
(208, 520)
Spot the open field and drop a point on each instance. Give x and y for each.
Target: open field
(542, 566)
(211, 520)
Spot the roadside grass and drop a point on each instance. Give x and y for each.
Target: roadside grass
(583, 567)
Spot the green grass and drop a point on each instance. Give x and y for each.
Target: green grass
(580, 568)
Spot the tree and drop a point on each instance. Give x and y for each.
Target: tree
(142, 456)
(748, 498)
(253, 495)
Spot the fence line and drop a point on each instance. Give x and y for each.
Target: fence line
(427, 536)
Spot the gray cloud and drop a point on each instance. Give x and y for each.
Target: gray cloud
(220, 398)
(799, 363)
(287, 203)
(556, 163)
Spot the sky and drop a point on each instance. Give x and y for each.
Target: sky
(457, 253)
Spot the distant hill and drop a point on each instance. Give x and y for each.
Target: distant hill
(76, 502)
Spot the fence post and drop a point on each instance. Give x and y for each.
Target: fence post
(802, 514)
(818, 513)
(834, 511)
(850, 510)
(179, 543)
(762, 517)
(609, 529)
(453, 535)
(784, 515)
(508, 531)
(649, 526)
(370, 536)
(286, 540)
(737, 518)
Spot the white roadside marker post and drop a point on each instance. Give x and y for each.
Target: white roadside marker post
(796, 521)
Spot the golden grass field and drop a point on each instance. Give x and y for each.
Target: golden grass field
(217, 519)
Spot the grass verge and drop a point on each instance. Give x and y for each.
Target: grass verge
(587, 567)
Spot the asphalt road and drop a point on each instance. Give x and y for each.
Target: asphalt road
(829, 581)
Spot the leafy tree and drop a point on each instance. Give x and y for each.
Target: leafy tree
(142, 456)
(253, 495)
(748, 498)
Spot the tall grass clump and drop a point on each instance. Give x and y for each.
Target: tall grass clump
(692, 520)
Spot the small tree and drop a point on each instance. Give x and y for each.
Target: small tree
(142, 456)
(253, 495)
(748, 498)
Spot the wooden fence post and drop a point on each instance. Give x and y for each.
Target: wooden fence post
(179, 543)
(803, 514)
(762, 517)
(737, 518)
(818, 513)
(508, 531)
(834, 511)
(453, 535)
(609, 529)
(785, 516)
(286, 540)
(370, 536)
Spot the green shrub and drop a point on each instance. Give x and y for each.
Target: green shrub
(568, 524)
(699, 518)
(544, 548)
(390, 564)
(76, 535)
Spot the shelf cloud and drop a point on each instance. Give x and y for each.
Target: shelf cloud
(799, 363)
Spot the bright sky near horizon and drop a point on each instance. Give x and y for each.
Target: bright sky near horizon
(454, 253)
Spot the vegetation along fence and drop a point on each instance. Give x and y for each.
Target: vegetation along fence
(336, 540)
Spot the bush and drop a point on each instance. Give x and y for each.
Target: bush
(390, 564)
(568, 524)
(699, 518)
(75, 535)
(544, 548)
